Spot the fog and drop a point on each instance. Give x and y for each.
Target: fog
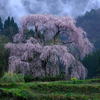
(18, 8)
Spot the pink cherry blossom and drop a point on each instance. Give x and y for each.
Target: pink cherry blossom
(40, 54)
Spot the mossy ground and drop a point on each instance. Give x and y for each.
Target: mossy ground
(58, 90)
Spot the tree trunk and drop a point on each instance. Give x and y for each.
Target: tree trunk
(44, 63)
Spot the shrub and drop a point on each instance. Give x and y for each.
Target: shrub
(74, 80)
(28, 78)
(12, 78)
(61, 76)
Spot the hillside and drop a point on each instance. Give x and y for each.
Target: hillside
(90, 22)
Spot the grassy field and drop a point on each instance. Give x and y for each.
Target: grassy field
(58, 90)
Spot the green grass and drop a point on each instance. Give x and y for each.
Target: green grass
(58, 90)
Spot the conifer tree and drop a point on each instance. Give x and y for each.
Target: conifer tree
(10, 28)
(12, 21)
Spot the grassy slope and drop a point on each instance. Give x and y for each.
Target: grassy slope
(61, 90)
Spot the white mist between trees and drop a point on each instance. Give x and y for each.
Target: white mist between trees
(41, 54)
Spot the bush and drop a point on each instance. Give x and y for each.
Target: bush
(74, 80)
(28, 78)
(12, 78)
(61, 76)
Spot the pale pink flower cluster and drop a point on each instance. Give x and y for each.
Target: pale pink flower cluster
(40, 54)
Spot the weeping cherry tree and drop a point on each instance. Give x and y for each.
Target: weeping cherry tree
(56, 40)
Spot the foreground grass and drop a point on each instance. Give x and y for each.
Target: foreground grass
(58, 90)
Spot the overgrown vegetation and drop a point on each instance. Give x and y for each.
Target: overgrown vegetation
(12, 78)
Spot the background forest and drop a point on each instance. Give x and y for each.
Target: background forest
(90, 22)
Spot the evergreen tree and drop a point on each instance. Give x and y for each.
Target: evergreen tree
(7, 22)
(12, 22)
(92, 63)
(10, 28)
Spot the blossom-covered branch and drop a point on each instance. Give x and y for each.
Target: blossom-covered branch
(55, 41)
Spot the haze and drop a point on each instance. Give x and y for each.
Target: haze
(20, 8)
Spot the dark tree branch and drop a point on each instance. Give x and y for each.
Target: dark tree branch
(69, 42)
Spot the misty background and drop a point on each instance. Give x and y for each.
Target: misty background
(20, 8)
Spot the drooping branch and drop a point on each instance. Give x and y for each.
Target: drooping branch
(46, 46)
